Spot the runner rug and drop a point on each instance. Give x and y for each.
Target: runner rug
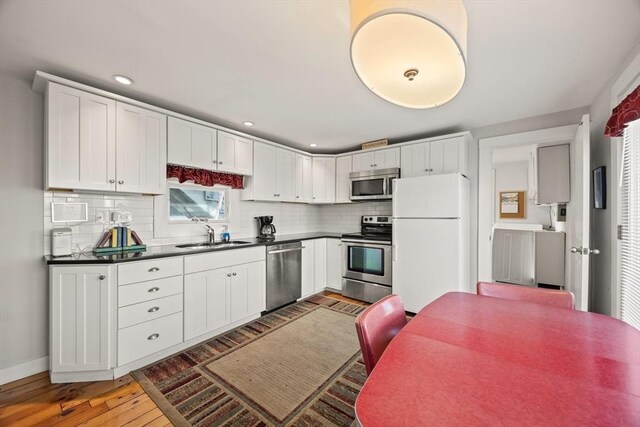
(298, 366)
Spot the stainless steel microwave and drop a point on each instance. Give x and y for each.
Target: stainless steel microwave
(372, 185)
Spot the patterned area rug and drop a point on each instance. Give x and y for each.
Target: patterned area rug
(298, 366)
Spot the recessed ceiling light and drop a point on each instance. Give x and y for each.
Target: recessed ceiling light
(123, 80)
(248, 123)
(313, 145)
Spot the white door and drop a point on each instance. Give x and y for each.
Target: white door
(248, 290)
(82, 318)
(285, 176)
(191, 144)
(415, 160)
(389, 158)
(343, 186)
(427, 261)
(578, 217)
(334, 264)
(363, 162)
(141, 150)
(206, 302)
(308, 261)
(226, 152)
(320, 265)
(81, 140)
(264, 171)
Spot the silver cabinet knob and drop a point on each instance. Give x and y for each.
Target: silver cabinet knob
(234, 274)
(154, 289)
(153, 337)
(297, 197)
(228, 274)
(214, 161)
(111, 181)
(102, 277)
(153, 309)
(575, 250)
(594, 251)
(120, 182)
(153, 269)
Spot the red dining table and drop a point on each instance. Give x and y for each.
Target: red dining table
(467, 359)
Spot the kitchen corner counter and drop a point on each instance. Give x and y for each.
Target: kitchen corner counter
(172, 250)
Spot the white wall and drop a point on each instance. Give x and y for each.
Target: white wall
(23, 280)
(346, 217)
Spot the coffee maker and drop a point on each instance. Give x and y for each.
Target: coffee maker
(266, 230)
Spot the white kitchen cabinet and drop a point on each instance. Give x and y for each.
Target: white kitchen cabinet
(303, 179)
(80, 140)
(334, 264)
(235, 154)
(308, 267)
(83, 320)
(378, 159)
(191, 144)
(141, 150)
(248, 289)
(285, 175)
(206, 302)
(343, 186)
(324, 180)
(435, 157)
(320, 265)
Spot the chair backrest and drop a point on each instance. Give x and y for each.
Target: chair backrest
(376, 327)
(522, 293)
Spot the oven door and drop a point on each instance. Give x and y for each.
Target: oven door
(369, 188)
(366, 261)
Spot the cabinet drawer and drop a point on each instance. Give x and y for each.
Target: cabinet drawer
(211, 261)
(146, 291)
(149, 310)
(147, 338)
(149, 270)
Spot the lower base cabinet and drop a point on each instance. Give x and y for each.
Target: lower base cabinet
(215, 298)
(334, 264)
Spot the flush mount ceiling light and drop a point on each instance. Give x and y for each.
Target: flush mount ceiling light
(313, 145)
(411, 53)
(123, 80)
(247, 123)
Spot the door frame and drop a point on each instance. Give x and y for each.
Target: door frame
(486, 203)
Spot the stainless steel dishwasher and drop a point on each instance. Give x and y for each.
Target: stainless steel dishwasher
(284, 274)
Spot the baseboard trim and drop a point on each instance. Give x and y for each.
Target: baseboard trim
(24, 370)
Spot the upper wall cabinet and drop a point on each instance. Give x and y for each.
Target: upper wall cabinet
(273, 175)
(324, 180)
(303, 179)
(379, 159)
(435, 157)
(203, 147)
(94, 143)
(343, 186)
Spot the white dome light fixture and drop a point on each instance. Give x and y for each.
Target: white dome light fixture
(411, 53)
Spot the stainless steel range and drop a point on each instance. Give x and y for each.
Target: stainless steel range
(366, 260)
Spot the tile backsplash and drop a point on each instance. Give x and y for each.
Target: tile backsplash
(289, 218)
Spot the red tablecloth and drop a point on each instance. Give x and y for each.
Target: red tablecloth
(467, 359)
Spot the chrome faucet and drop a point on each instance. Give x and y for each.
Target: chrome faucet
(211, 234)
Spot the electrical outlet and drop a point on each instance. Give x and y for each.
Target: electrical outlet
(101, 217)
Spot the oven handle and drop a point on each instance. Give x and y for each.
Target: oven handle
(376, 243)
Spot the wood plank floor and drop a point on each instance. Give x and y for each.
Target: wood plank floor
(34, 401)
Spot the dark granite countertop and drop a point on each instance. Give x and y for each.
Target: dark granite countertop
(172, 250)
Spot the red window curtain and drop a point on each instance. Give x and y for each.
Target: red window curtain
(627, 111)
(204, 177)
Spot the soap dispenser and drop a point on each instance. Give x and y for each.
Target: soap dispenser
(225, 234)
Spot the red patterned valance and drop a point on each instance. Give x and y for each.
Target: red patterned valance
(627, 111)
(204, 177)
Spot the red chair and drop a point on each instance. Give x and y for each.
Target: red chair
(376, 327)
(522, 293)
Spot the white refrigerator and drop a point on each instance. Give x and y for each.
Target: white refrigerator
(431, 238)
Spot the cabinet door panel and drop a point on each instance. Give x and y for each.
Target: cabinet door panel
(308, 261)
(437, 157)
(307, 177)
(141, 140)
(320, 265)
(82, 318)
(226, 152)
(389, 158)
(363, 162)
(451, 157)
(343, 186)
(206, 302)
(81, 140)
(415, 160)
(203, 148)
(247, 290)
(243, 156)
(285, 175)
(264, 172)
(190, 144)
(334, 263)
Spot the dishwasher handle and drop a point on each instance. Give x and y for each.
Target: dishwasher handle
(280, 251)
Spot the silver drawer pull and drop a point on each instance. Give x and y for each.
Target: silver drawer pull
(153, 309)
(153, 269)
(154, 289)
(153, 337)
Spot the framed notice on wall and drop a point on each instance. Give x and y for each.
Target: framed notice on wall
(512, 204)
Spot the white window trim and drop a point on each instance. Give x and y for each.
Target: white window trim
(628, 80)
(165, 229)
(192, 186)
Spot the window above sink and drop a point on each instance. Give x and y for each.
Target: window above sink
(188, 202)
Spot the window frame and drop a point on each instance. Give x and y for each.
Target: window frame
(197, 187)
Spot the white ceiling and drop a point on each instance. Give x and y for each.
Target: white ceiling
(285, 64)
